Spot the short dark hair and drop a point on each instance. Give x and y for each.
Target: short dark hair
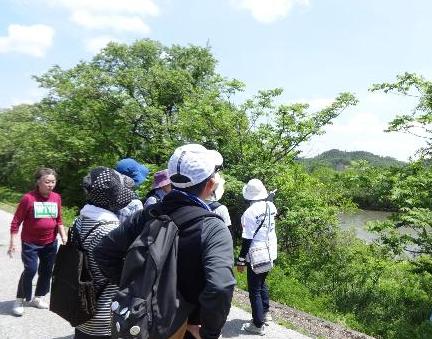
(195, 189)
(43, 171)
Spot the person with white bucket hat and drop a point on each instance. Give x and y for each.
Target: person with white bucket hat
(258, 223)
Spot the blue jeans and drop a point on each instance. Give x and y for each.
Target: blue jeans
(258, 295)
(29, 255)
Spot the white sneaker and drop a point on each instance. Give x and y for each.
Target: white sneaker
(38, 302)
(267, 318)
(18, 307)
(251, 328)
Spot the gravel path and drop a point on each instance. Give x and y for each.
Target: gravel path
(314, 327)
(38, 324)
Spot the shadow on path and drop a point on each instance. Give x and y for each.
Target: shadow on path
(6, 307)
(234, 328)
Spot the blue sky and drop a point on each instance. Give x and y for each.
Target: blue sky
(313, 49)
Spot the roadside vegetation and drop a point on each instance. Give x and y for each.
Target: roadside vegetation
(143, 100)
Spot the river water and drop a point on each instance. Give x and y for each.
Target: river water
(357, 221)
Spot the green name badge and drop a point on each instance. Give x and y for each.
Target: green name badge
(45, 210)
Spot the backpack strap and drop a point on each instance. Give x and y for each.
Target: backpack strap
(181, 216)
(80, 244)
(80, 240)
(215, 204)
(262, 222)
(100, 223)
(187, 214)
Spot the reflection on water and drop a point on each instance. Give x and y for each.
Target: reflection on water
(358, 220)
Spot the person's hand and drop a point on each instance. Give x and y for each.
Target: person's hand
(64, 240)
(194, 330)
(271, 195)
(240, 269)
(240, 263)
(12, 249)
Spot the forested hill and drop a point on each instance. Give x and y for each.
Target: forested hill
(340, 159)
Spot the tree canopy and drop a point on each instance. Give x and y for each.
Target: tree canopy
(143, 100)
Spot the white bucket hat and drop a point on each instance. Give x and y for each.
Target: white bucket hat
(254, 190)
(191, 164)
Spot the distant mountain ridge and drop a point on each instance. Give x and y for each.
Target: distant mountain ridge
(340, 159)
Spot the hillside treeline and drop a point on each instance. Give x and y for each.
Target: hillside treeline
(340, 160)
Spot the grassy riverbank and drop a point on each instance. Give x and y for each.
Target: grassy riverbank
(360, 290)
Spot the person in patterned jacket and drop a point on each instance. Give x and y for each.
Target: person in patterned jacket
(106, 195)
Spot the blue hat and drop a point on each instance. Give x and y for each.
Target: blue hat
(133, 169)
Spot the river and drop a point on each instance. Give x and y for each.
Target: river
(358, 220)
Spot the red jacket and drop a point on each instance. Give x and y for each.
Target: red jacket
(40, 217)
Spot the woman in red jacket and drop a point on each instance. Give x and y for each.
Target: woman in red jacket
(40, 213)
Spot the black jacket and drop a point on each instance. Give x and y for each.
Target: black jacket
(204, 268)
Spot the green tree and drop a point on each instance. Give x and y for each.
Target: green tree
(419, 121)
(140, 101)
(412, 189)
(274, 132)
(22, 145)
(143, 100)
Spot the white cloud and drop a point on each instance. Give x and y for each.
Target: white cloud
(111, 15)
(32, 40)
(116, 23)
(315, 104)
(137, 7)
(29, 96)
(268, 11)
(361, 128)
(94, 45)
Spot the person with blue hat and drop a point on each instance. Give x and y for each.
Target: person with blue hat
(133, 169)
(133, 174)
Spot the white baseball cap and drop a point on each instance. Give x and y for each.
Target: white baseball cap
(191, 164)
(254, 190)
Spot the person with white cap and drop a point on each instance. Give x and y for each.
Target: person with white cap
(258, 226)
(205, 278)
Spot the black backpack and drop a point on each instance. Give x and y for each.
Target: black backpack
(73, 294)
(147, 302)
